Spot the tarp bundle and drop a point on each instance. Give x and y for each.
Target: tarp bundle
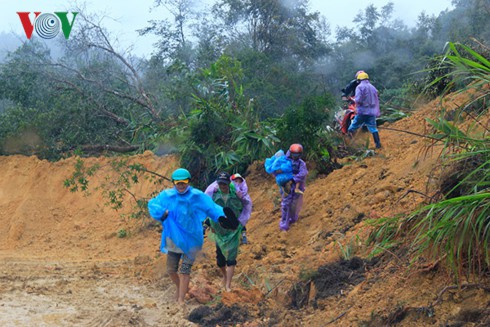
(279, 161)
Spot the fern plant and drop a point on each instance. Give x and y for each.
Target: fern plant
(457, 227)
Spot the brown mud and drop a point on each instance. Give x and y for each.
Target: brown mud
(64, 264)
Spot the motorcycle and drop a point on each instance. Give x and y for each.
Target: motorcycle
(344, 116)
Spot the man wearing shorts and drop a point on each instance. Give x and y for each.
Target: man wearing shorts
(182, 210)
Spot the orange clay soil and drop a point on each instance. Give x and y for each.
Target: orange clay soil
(64, 264)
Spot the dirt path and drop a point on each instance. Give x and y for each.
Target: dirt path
(85, 293)
(61, 262)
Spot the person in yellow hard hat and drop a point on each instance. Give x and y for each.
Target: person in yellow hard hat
(367, 103)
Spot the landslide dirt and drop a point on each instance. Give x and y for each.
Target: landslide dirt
(63, 262)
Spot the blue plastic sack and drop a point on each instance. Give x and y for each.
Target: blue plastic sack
(279, 161)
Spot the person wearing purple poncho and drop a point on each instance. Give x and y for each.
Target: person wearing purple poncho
(292, 201)
(367, 103)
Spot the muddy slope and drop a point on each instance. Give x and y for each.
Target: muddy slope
(63, 262)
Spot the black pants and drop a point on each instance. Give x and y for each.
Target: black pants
(221, 260)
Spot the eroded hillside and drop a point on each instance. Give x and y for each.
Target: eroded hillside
(64, 264)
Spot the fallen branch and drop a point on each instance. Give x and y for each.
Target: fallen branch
(431, 198)
(107, 147)
(408, 132)
(452, 287)
(400, 313)
(339, 316)
(266, 294)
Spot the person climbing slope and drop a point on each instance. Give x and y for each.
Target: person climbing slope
(227, 241)
(239, 185)
(367, 104)
(182, 210)
(292, 202)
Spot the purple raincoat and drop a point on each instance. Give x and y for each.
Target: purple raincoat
(367, 101)
(292, 203)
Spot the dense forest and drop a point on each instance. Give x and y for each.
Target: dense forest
(226, 87)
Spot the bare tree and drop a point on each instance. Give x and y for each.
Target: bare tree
(93, 42)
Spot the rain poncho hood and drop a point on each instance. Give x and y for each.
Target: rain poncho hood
(186, 213)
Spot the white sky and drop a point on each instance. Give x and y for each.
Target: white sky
(129, 16)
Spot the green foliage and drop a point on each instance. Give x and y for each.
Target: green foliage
(79, 179)
(456, 69)
(349, 248)
(122, 233)
(223, 132)
(300, 123)
(22, 76)
(386, 233)
(308, 274)
(58, 102)
(435, 80)
(307, 124)
(117, 190)
(398, 103)
(93, 96)
(469, 19)
(254, 142)
(277, 29)
(456, 228)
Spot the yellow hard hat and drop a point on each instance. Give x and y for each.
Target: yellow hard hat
(358, 72)
(362, 76)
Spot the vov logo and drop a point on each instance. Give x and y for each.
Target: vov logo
(47, 25)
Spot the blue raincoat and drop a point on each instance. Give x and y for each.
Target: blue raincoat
(186, 213)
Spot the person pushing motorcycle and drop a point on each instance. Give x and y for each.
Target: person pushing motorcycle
(367, 105)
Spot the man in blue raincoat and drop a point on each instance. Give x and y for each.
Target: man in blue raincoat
(182, 210)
